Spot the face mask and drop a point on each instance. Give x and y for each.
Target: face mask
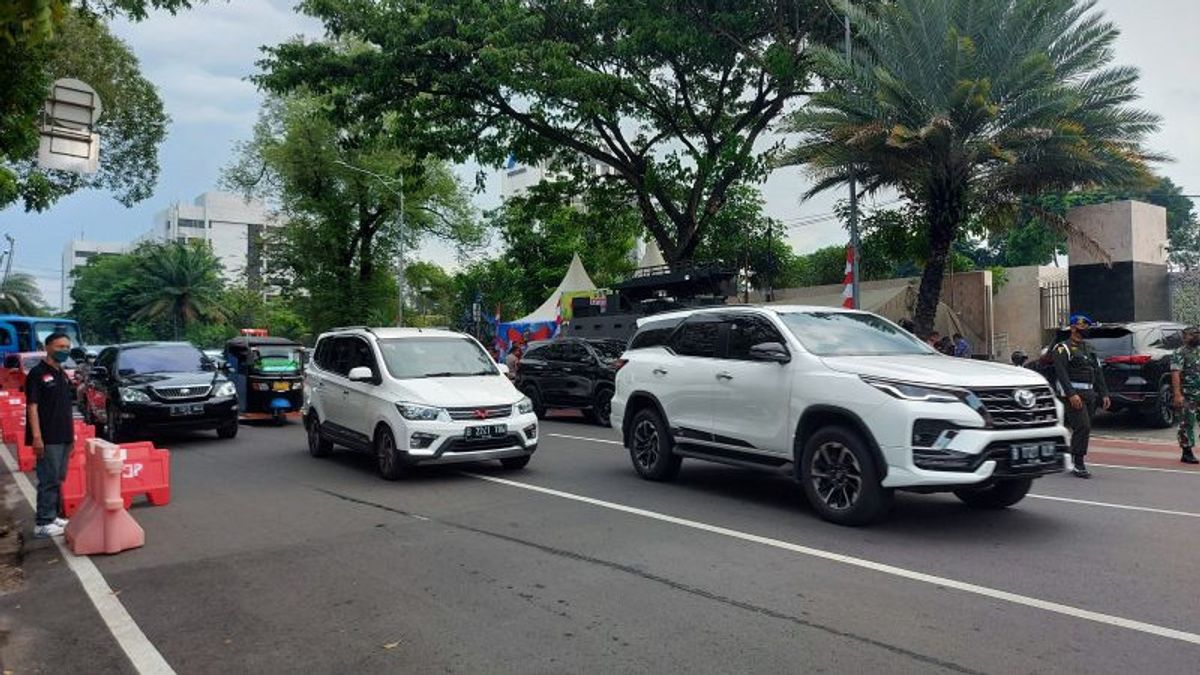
(61, 356)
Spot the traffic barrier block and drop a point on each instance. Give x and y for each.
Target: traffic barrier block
(12, 418)
(74, 488)
(26, 460)
(102, 524)
(147, 472)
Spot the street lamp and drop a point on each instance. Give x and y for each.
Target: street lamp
(388, 184)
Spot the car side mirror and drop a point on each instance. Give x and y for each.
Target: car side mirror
(78, 355)
(361, 374)
(770, 351)
(503, 368)
(99, 373)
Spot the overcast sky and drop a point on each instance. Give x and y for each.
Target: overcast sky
(200, 59)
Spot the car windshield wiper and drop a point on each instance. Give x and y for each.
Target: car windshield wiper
(446, 374)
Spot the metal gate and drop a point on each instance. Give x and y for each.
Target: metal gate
(1056, 304)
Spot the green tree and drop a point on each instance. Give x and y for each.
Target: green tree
(131, 128)
(178, 282)
(430, 291)
(968, 107)
(103, 297)
(19, 294)
(341, 187)
(673, 96)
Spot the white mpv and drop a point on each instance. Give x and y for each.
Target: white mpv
(849, 403)
(414, 396)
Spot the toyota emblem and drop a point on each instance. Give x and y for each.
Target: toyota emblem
(1025, 398)
(185, 391)
(481, 414)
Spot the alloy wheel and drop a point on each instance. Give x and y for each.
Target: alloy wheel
(645, 444)
(836, 476)
(387, 455)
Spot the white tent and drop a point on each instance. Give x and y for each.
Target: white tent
(652, 258)
(576, 279)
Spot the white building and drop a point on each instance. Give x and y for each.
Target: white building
(516, 179)
(77, 253)
(232, 224)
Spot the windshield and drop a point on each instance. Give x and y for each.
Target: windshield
(45, 328)
(160, 358)
(609, 349)
(411, 358)
(281, 359)
(851, 334)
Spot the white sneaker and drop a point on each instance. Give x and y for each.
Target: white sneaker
(45, 531)
(61, 522)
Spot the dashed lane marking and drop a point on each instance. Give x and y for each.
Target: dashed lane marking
(892, 570)
(130, 638)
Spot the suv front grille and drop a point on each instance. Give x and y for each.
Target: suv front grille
(1003, 411)
(486, 412)
(183, 393)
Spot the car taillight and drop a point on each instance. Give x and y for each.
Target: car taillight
(1132, 359)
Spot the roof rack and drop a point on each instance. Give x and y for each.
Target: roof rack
(366, 328)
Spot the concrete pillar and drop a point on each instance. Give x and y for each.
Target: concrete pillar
(1134, 288)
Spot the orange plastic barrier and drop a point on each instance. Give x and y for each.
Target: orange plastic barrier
(147, 472)
(102, 524)
(74, 488)
(12, 418)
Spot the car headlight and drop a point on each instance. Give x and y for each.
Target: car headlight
(416, 411)
(225, 389)
(524, 406)
(131, 395)
(907, 391)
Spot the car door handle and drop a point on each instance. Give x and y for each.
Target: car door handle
(660, 371)
(724, 376)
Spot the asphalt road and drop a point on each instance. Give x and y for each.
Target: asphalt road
(268, 560)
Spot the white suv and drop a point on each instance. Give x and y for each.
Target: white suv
(851, 404)
(414, 396)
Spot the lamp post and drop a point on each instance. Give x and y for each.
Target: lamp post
(854, 240)
(388, 184)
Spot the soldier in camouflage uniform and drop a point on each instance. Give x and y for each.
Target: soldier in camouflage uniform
(1185, 383)
(1080, 383)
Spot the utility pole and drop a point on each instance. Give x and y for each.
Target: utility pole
(854, 241)
(12, 244)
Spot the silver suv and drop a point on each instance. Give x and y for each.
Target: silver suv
(414, 396)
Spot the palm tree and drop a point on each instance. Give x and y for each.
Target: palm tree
(968, 108)
(181, 281)
(19, 294)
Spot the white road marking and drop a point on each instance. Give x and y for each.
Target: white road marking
(1125, 507)
(141, 652)
(585, 438)
(945, 582)
(1144, 468)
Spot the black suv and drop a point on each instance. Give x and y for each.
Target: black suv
(1136, 361)
(135, 389)
(571, 373)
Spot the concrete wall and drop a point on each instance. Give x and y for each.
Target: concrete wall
(1017, 307)
(1133, 285)
(1127, 231)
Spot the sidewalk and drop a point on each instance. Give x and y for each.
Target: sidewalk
(1139, 453)
(47, 622)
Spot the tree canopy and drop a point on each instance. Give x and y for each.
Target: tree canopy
(674, 97)
(968, 108)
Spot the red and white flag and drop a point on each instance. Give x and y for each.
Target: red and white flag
(848, 280)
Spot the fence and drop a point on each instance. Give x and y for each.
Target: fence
(1056, 304)
(1183, 290)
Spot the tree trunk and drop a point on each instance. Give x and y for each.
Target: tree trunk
(945, 213)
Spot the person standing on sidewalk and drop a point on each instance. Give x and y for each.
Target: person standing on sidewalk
(1081, 385)
(1185, 383)
(50, 431)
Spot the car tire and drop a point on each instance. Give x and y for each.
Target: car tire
(387, 455)
(515, 463)
(650, 447)
(112, 426)
(317, 446)
(1162, 413)
(601, 411)
(999, 495)
(840, 479)
(228, 430)
(535, 397)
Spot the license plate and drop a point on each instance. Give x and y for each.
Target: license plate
(1033, 453)
(489, 431)
(281, 386)
(189, 409)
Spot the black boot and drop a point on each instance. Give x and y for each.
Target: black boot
(1080, 470)
(1189, 457)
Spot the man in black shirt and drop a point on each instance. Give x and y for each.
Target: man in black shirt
(50, 431)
